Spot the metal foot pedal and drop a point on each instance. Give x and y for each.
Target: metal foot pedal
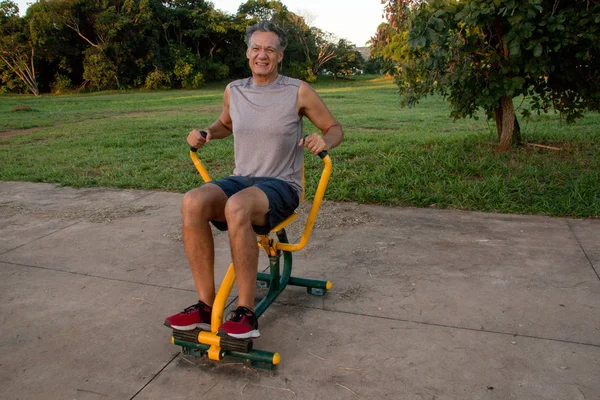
(233, 344)
(226, 342)
(186, 336)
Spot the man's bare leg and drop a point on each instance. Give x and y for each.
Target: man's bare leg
(244, 209)
(198, 208)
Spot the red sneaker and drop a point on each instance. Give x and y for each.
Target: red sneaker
(196, 316)
(242, 324)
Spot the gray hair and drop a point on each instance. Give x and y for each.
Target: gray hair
(267, 26)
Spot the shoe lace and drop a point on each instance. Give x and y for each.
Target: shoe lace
(236, 315)
(191, 309)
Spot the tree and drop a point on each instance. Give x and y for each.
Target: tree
(482, 54)
(325, 46)
(123, 37)
(347, 59)
(17, 47)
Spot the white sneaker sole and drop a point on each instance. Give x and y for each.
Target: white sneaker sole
(248, 335)
(202, 327)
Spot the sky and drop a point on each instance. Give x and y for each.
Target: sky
(355, 20)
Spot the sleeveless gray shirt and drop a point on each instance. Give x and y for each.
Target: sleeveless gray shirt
(267, 129)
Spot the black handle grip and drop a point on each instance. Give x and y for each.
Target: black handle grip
(203, 134)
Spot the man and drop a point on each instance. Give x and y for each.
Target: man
(264, 113)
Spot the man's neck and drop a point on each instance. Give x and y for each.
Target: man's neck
(263, 80)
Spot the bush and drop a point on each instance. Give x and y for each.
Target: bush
(374, 66)
(214, 71)
(157, 79)
(9, 81)
(99, 71)
(184, 72)
(61, 84)
(301, 71)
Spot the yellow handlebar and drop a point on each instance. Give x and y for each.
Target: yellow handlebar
(200, 167)
(314, 210)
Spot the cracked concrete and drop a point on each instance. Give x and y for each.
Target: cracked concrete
(425, 304)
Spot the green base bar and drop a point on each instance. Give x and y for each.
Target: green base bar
(190, 345)
(259, 358)
(303, 282)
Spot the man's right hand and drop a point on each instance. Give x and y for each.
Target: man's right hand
(196, 140)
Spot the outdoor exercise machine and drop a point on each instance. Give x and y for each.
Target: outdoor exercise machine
(215, 345)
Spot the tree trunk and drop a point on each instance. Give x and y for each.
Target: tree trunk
(505, 123)
(517, 133)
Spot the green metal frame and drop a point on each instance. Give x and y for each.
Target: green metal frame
(276, 280)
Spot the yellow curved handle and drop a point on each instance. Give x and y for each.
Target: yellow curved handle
(221, 299)
(200, 167)
(314, 210)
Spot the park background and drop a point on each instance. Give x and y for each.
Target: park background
(502, 97)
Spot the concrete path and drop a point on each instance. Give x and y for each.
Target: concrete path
(426, 304)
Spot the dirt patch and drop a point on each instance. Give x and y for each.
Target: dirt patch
(352, 292)
(16, 132)
(333, 215)
(205, 109)
(22, 108)
(174, 235)
(73, 213)
(210, 109)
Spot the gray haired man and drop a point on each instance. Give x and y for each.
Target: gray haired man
(264, 113)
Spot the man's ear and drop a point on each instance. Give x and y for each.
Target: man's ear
(280, 57)
(248, 53)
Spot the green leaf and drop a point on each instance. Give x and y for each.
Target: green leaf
(518, 82)
(537, 51)
(515, 48)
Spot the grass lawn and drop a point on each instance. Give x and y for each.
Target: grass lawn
(413, 157)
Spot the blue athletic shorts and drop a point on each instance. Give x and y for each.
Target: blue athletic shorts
(283, 198)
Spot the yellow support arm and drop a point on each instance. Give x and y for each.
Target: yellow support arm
(199, 166)
(314, 210)
(221, 299)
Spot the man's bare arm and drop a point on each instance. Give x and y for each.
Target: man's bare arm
(313, 107)
(219, 129)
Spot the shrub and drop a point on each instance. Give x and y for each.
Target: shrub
(157, 79)
(184, 72)
(214, 71)
(301, 71)
(61, 84)
(99, 71)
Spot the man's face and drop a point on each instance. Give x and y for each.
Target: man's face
(264, 53)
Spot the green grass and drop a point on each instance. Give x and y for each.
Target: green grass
(417, 157)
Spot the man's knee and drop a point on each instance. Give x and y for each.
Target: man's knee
(203, 202)
(237, 211)
(191, 201)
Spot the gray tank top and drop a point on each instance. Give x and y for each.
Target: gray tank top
(267, 129)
